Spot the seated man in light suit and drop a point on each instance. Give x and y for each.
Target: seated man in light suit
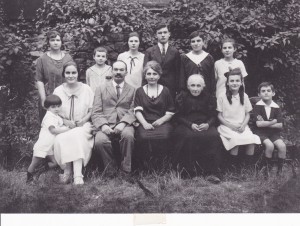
(112, 115)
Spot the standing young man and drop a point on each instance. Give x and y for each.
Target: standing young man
(167, 56)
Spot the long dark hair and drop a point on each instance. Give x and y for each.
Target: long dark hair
(235, 71)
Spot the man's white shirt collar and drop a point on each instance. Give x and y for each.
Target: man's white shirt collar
(161, 46)
(121, 84)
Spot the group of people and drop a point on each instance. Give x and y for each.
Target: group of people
(187, 107)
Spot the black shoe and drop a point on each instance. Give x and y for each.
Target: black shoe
(29, 178)
(213, 179)
(280, 163)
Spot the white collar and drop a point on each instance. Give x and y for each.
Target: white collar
(197, 59)
(161, 46)
(262, 103)
(115, 84)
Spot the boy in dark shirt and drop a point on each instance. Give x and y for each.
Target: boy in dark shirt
(269, 124)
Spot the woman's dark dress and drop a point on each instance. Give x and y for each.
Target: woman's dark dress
(192, 148)
(205, 68)
(156, 140)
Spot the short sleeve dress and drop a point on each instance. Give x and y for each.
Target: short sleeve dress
(96, 77)
(76, 143)
(44, 145)
(134, 68)
(153, 109)
(49, 71)
(221, 67)
(235, 113)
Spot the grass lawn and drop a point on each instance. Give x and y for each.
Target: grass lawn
(243, 193)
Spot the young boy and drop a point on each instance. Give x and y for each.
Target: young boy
(269, 123)
(167, 56)
(100, 72)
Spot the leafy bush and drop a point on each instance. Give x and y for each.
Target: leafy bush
(267, 33)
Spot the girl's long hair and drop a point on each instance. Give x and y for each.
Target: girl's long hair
(235, 71)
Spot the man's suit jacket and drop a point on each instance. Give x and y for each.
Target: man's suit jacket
(107, 108)
(170, 65)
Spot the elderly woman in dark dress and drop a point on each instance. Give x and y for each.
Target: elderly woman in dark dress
(154, 108)
(49, 68)
(197, 61)
(196, 139)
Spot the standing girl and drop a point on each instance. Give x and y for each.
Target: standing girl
(52, 125)
(134, 61)
(197, 61)
(223, 65)
(234, 107)
(49, 68)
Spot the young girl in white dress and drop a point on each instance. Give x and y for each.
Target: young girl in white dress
(52, 125)
(234, 107)
(224, 65)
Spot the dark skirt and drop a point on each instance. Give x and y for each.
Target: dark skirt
(197, 151)
(153, 146)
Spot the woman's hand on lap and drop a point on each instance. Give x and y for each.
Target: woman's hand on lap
(195, 127)
(148, 126)
(203, 126)
(158, 122)
(69, 123)
(106, 129)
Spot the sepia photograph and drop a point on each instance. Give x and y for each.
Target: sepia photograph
(135, 107)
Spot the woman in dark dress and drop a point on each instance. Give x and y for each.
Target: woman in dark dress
(49, 68)
(197, 61)
(197, 142)
(154, 108)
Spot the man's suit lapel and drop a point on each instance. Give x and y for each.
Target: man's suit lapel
(111, 91)
(157, 54)
(124, 92)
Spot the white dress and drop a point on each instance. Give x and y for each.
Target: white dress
(221, 67)
(235, 113)
(134, 68)
(44, 145)
(76, 143)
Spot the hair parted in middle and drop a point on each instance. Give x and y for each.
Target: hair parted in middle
(235, 71)
(71, 63)
(198, 76)
(154, 65)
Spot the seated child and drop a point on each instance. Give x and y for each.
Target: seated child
(52, 125)
(100, 72)
(234, 107)
(269, 123)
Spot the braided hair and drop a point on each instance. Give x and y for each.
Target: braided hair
(235, 71)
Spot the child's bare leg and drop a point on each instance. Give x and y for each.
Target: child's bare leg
(52, 162)
(34, 163)
(250, 149)
(281, 147)
(234, 151)
(269, 148)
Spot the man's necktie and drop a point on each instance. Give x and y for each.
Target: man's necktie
(163, 53)
(118, 91)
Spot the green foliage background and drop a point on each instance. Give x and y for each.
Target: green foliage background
(267, 33)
